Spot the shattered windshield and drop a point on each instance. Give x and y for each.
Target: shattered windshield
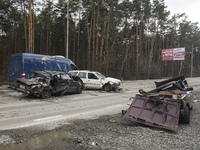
(100, 75)
(37, 77)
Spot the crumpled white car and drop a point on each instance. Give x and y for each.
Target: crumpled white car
(95, 80)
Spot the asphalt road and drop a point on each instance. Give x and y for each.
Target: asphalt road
(18, 110)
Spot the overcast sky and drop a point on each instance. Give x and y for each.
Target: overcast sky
(190, 7)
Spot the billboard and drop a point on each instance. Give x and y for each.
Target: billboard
(173, 54)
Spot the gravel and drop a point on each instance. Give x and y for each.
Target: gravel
(108, 133)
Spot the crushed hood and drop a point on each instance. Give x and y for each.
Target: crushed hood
(111, 80)
(27, 81)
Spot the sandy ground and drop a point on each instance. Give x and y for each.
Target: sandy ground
(110, 131)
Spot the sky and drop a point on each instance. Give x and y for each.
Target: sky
(190, 7)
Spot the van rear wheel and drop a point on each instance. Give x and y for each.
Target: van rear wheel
(46, 94)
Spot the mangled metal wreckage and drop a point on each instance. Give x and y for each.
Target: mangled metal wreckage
(163, 106)
(45, 83)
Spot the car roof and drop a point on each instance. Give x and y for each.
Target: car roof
(84, 71)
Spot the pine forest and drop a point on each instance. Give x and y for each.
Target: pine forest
(119, 38)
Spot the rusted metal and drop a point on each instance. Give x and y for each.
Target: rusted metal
(45, 83)
(162, 107)
(154, 112)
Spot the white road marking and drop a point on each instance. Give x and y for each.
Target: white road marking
(48, 118)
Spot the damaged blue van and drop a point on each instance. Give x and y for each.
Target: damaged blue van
(22, 65)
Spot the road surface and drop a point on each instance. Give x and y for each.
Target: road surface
(18, 110)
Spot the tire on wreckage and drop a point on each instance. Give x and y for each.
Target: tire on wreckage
(46, 93)
(186, 118)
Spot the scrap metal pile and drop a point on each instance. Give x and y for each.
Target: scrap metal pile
(163, 106)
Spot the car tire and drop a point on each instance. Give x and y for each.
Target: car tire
(186, 118)
(79, 90)
(46, 94)
(107, 87)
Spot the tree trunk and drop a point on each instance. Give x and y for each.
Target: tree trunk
(74, 52)
(25, 32)
(41, 33)
(30, 28)
(106, 61)
(78, 47)
(93, 37)
(137, 50)
(151, 53)
(89, 30)
(15, 42)
(141, 54)
(125, 58)
(104, 32)
(97, 39)
(47, 40)
(65, 34)
(33, 45)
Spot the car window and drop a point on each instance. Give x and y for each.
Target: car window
(100, 75)
(65, 76)
(92, 76)
(82, 74)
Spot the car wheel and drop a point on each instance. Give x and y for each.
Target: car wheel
(79, 90)
(107, 87)
(186, 118)
(46, 94)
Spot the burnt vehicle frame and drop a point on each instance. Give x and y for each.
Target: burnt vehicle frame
(164, 106)
(45, 83)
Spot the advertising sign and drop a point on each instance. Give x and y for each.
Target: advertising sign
(173, 54)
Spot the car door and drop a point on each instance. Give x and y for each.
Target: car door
(93, 81)
(72, 85)
(60, 83)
